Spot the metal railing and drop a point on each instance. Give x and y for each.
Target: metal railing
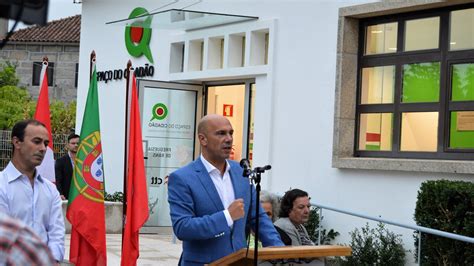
(59, 144)
(419, 229)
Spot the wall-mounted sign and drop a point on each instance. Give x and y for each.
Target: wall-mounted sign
(228, 110)
(465, 121)
(138, 35)
(168, 127)
(118, 74)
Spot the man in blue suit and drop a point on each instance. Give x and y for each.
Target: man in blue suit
(210, 200)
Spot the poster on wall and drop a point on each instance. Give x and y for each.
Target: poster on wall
(168, 127)
(465, 121)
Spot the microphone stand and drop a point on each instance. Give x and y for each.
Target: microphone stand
(256, 176)
(256, 179)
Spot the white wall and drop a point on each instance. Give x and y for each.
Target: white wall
(294, 108)
(109, 45)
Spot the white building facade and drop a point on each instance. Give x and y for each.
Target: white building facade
(295, 67)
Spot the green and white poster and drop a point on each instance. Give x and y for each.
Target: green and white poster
(168, 126)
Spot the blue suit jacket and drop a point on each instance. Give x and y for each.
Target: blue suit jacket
(198, 218)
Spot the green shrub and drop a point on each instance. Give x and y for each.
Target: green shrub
(116, 197)
(312, 227)
(447, 206)
(374, 247)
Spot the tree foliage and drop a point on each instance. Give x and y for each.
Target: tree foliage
(16, 104)
(8, 74)
(13, 103)
(63, 117)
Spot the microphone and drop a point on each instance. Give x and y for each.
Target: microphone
(263, 168)
(245, 164)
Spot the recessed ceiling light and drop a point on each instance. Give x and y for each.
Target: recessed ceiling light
(376, 31)
(452, 43)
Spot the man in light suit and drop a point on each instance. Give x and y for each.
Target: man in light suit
(210, 200)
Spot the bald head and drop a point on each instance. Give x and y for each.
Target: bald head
(215, 135)
(203, 126)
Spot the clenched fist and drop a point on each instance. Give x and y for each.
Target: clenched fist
(236, 209)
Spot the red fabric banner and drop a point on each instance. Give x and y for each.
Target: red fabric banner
(42, 114)
(136, 191)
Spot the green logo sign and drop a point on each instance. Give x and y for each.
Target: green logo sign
(159, 112)
(138, 35)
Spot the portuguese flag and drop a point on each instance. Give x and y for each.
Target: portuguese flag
(85, 210)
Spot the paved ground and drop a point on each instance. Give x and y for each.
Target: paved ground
(154, 249)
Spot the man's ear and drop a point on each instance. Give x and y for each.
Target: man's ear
(16, 142)
(202, 139)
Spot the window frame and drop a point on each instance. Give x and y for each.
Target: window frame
(444, 106)
(76, 75)
(36, 73)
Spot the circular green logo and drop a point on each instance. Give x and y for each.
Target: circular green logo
(138, 35)
(159, 112)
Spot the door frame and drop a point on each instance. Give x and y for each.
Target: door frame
(198, 88)
(247, 100)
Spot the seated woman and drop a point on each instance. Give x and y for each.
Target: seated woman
(270, 205)
(294, 212)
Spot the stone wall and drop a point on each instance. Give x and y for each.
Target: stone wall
(64, 56)
(113, 217)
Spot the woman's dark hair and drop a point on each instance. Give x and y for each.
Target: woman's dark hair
(286, 203)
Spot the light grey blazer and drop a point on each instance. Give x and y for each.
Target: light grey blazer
(286, 225)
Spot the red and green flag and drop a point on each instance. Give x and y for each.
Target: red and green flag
(85, 210)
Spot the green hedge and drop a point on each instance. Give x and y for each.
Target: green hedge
(312, 227)
(447, 206)
(374, 246)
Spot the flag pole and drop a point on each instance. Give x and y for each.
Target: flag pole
(44, 68)
(91, 64)
(125, 156)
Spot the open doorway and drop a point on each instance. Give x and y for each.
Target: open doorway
(234, 100)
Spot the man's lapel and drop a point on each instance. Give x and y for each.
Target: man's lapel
(239, 188)
(69, 165)
(207, 183)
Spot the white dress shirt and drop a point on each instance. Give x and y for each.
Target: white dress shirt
(223, 186)
(38, 206)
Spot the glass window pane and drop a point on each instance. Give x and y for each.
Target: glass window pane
(462, 29)
(381, 38)
(229, 101)
(422, 34)
(378, 85)
(421, 82)
(375, 132)
(463, 82)
(462, 130)
(419, 131)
